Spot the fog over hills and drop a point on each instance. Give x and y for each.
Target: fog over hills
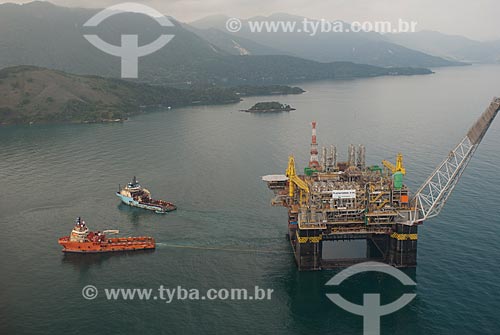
(359, 47)
(42, 34)
(449, 46)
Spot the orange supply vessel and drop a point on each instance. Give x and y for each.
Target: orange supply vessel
(84, 241)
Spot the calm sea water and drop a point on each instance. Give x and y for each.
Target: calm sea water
(208, 160)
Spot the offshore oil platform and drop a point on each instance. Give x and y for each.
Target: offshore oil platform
(337, 201)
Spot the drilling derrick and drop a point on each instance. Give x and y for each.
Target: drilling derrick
(351, 158)
(331, 158)
(361, 157)
(324, 159)
(340, 201)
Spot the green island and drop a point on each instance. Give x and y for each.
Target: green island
(269, 107)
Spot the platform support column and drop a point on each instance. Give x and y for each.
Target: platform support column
(403, 246)
(308, 251)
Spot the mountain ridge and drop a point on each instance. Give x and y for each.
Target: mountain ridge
(45, 35)
(450, 46)
(359, 47)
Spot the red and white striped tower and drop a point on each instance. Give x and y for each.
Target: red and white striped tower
(314, 160)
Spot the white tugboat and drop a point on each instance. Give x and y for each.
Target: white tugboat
(133, 194)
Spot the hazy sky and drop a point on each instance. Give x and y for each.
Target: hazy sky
(476, 19)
